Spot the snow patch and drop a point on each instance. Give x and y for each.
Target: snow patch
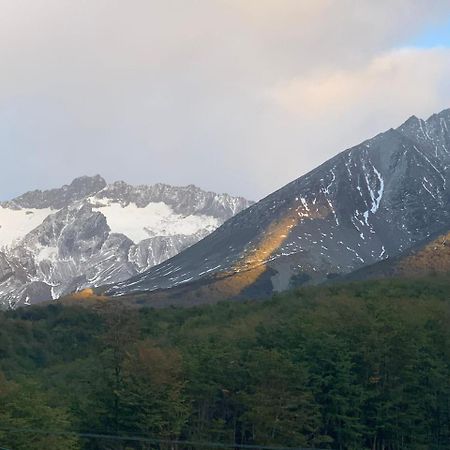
(155, 219)
(377, 199)
(16, 223)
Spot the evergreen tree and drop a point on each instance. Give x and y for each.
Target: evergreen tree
(26, 416)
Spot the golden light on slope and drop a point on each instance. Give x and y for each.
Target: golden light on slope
(86, 294)
(434, 257)
(254, 264)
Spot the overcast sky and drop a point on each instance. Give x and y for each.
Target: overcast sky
(237, 96)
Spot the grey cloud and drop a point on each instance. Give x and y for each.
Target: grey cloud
(186, 91)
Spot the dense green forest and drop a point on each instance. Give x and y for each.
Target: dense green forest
(355, 366)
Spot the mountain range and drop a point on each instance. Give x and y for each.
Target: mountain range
(378, 209)
(369, 203)
(91, 233)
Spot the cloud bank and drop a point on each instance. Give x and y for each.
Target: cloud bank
(232, 95)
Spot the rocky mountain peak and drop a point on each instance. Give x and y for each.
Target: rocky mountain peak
(58, 198)
(85, 184)
(89, 232)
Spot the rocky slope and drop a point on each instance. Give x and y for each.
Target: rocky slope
(89, 233)
(367, 203)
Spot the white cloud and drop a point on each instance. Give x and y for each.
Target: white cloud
(399, 81)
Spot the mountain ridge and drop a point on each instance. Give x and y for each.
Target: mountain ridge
(366, 203)
(89, 232)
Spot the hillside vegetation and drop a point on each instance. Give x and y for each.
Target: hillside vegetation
(354, 366)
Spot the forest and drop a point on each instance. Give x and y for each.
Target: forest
(363, 365)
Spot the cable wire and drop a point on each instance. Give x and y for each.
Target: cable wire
(89, 435)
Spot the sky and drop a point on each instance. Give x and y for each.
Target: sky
(237, 96)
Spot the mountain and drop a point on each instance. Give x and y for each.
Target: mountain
(366, 204)
(89, 233)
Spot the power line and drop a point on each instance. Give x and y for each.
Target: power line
(148, 440)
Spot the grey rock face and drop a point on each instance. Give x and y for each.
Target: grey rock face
(75, 247)
(5, 268)
(59, 198)
(365, 204)
(184, 200)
